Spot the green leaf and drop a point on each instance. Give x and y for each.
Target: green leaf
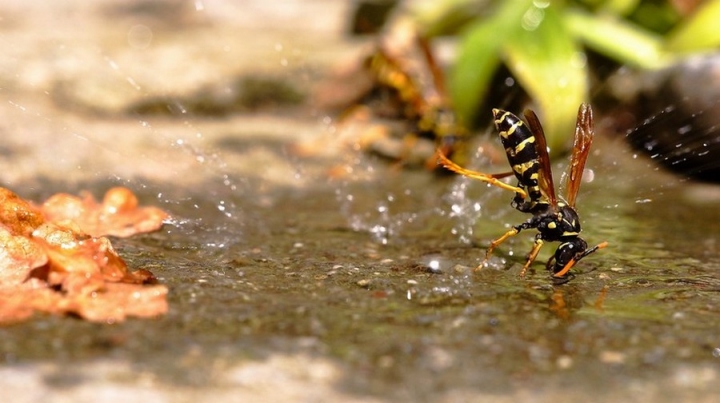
(619, 7)
(551, 67)
(470, 77)
(479, 57)
(620, 40)
(445, 17)
(699, 32)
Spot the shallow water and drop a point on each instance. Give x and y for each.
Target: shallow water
(291, 282)
(376, 276)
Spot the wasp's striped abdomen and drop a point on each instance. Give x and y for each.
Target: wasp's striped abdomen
(519, 143)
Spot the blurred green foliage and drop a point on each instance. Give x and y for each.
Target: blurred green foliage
(543, 42)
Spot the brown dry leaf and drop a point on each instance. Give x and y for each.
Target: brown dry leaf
(18, 256)
(56, 268)
(17, 215)
(118, 215)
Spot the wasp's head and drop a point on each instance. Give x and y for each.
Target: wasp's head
(569, 252)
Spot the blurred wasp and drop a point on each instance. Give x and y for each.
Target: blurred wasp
(423, 103)
(556, 220)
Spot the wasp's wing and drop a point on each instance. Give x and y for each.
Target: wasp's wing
(437, 74)
(545, 178)
(584, 133)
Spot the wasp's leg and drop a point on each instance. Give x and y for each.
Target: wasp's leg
(532, 255)
(488, 178)
(550, 262)
(444, 148)
(514, 231)
(574, 260)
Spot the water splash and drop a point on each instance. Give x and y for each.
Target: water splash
(463, 210)
(383, 222)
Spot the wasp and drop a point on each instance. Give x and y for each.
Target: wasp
(424, 103)
(556, 220)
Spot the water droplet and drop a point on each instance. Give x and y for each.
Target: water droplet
(532, 18)
(588, 175)
(579, 60)
(139, 37)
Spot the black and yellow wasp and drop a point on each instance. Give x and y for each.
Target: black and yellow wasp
(556, 220)
(422, 100)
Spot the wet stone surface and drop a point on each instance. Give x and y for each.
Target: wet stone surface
(328, 277)
(308, 273)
